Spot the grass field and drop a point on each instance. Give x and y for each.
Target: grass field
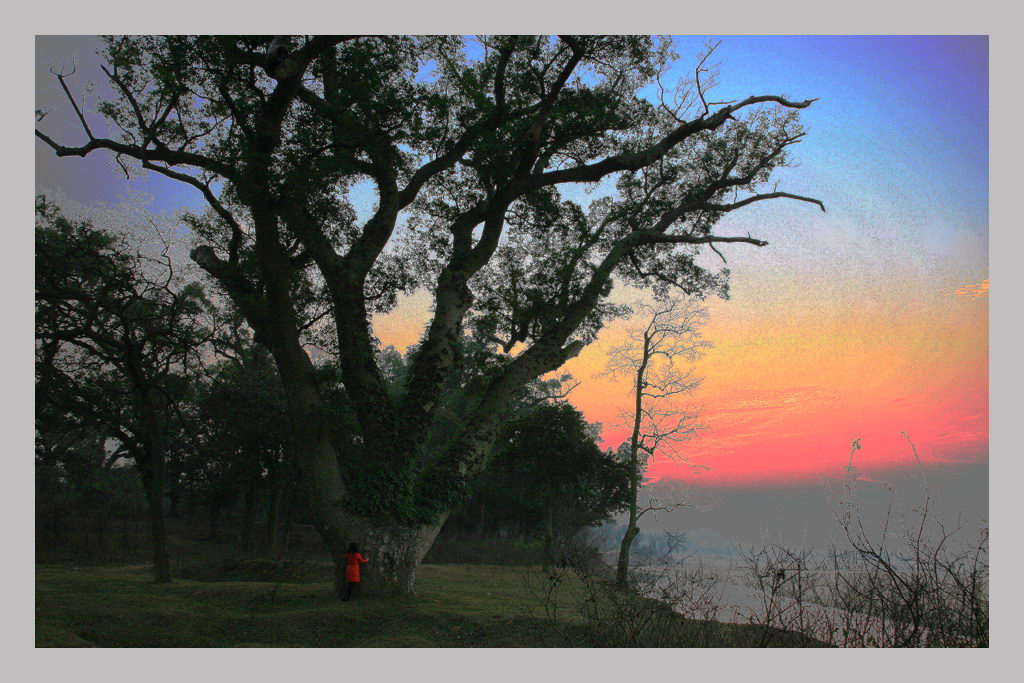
(455, 606)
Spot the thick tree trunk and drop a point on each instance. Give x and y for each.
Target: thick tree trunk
(394, 553)
(389, 435)
(153, 485)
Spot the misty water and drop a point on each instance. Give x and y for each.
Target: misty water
(726, 565)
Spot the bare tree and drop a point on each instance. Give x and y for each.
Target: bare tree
(912, 581)
(653, 357)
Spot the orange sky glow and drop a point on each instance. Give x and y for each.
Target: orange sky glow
(789, 384)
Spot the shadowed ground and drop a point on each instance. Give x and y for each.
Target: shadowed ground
(457, 606)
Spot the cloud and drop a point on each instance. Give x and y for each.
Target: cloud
(962, 436)
(973, 291)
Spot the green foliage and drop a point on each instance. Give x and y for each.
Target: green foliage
(241, 428)
(116, 338)
(399, 100)
(545, 460)
(392, 492)
(109, 334)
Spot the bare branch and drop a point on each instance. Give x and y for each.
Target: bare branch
(173, 157)
(697, 72)
(761, 198)
(651, 237)
(81, 117)
(236, 229)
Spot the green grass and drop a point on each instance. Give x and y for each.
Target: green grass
(455, 606)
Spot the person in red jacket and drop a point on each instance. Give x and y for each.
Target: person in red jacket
(353, 561)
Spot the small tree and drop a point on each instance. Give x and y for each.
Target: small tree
(114, 345)
(652, 358)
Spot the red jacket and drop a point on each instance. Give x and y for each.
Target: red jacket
(353, 561)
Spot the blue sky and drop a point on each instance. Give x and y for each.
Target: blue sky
(913, 106)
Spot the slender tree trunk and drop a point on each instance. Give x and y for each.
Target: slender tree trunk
(274, 516)
(289, 519)
(248, 516)
(214, 518)
(549, 534)
(161, 557)
(622, 570)
(153, 485)
(154, 479)
(174, 495)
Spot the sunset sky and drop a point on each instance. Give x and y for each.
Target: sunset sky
(862, 322)
(859, 323)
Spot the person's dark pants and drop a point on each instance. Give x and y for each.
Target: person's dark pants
(350, 588)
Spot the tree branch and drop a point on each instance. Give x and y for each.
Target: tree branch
(173, 157)
(762, 197)
(651, 237)
(81, 117)
(632, 161)
(236, 229)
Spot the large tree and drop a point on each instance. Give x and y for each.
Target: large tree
(465, 144)
(114, 345)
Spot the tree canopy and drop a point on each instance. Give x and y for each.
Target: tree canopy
(465, 145)
(547, 464)
(114, 344)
